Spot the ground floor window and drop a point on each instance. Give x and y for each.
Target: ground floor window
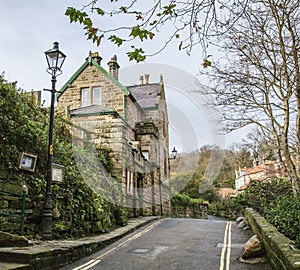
(129, 182)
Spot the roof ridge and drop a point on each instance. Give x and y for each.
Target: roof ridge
(104, 72)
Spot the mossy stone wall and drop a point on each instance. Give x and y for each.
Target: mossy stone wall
(281, 251)
(193, 210)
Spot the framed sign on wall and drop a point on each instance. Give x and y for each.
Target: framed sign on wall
(27, 161)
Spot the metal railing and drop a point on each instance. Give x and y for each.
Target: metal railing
(20, 216)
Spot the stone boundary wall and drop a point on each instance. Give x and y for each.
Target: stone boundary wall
(280, 250)
(11, 204)
(189, 211)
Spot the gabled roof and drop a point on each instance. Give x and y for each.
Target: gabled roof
(256, 169)
(91, 110)
(101, 69)
(145, 94)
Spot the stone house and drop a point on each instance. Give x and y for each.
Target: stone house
(261, 172)
(132, 121)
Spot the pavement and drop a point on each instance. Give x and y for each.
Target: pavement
(57, 253)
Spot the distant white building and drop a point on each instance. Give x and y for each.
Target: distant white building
(262, 172)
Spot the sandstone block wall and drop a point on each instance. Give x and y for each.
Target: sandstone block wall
(111, 95)
(279, 248)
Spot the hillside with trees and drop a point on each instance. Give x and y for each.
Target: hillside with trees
(200, 173)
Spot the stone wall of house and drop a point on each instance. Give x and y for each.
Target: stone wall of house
(159, 118)
(112, 95)
(133, 113)
(153, 140)
(153, 197)
(147, 134)
(112, 131)
(147, 202)
(166, 198)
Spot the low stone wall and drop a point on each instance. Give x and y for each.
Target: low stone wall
(11, 205)
(280, 250)
(189, 211)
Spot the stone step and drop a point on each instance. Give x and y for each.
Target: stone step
(36, 258)
(11, 266)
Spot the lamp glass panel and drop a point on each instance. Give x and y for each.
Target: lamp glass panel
(52, 59)
(60, 60)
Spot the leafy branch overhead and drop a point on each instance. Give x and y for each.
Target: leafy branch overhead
(187, 23)
(257, 83)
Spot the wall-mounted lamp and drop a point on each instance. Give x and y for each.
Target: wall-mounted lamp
(174, 153)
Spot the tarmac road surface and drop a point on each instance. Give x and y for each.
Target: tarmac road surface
(171, 243)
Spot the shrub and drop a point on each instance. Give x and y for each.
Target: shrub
(229, 208)
(76, 205)
(261, 194)
(184, 199)
(284, 214)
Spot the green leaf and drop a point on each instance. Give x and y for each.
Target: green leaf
(153, 23)
(88, 22)
(206, 63)
(100, 11)
(169, 10)
(123, 9)
(137, 55)
(141, 33)
(76, 15)
(118, 41)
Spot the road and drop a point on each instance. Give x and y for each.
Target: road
(175, 244)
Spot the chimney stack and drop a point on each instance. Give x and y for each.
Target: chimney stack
(96, 57)
(114, 67)
(147, 78)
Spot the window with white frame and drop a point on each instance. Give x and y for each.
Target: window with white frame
(96, 96)
(90, 96)
(85, 97)
(129, 182)
(145, 154)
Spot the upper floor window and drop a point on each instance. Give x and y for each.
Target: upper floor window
(146, 154)
(90, 96)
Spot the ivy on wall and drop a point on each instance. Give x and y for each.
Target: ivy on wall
(77, 209)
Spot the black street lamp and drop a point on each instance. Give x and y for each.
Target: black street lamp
(55, 59)
(174, 153)
(173, 156)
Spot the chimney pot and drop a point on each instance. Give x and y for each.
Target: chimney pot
(114, 67)
(95, 56)
(141, 79)
(147, 78)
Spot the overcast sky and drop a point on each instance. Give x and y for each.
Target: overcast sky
(29, 27)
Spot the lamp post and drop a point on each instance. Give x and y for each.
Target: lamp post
(55, 59)
(173, 156)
